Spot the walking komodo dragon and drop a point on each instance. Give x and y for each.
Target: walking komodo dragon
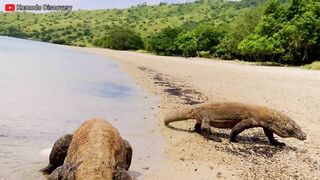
(95, 151)
(239, 117)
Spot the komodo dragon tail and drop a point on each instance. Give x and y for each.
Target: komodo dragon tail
(178, 115)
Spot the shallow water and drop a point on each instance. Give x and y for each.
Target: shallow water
(48, 90)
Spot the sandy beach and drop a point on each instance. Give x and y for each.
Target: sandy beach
(179, 82)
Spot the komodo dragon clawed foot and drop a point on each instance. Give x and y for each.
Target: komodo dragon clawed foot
(197, 127)
(277, 143)
(271, 138)
(211, 137)
(122, 175)
(234, 140)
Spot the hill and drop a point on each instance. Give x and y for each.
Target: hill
(279, 31)
(82, 27)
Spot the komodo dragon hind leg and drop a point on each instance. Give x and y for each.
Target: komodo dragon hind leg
(122, 175)
(206, 130)
(241, 126)
(271, 138)
(197, 127)
(67, 171)
(58, 153)
(55, 175)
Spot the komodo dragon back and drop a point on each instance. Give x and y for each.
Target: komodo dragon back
(96, 146)
(96, 151)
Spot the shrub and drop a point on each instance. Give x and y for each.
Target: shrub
(120, 39)
(205, 54)
(164, 42)
(313, 66)
(201, 38)
(256, 48)
(59, 41)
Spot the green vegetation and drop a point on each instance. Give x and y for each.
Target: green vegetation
(201, 38)
(314, 66)
(288, 33)
(277, 31)
(121, 39)
(185, 41)
(164, 42)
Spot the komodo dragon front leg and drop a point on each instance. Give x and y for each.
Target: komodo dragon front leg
(128, 154)
(58, 153)
(250, 123)
(241, 126)
(271, 138)
(206, 129)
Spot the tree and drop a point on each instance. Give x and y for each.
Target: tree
(241, 27)
(120, 39)
(164, 42)
(201, 38)
(257, 48)
(296, 26)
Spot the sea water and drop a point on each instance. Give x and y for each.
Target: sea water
(48, 90)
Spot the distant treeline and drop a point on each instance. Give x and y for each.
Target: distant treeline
(287, 33)
(280, 31)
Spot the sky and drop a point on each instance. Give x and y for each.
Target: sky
(88, 4)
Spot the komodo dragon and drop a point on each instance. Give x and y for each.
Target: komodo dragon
(239, 117)
(95, 151)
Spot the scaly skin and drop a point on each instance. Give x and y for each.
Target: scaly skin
(238, 117)
(96, 151)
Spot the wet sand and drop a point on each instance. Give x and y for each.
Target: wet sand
(179, 82)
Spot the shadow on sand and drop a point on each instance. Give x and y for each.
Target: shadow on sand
(248, 145)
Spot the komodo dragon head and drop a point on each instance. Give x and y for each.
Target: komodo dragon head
(292, 129)
(285, 127)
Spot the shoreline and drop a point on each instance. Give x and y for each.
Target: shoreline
(179, 82)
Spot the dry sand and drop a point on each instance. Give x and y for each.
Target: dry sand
(179, 82)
